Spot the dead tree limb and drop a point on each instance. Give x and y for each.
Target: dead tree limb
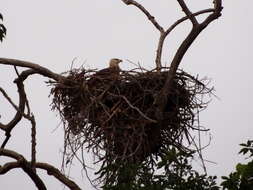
(146, 12)
(23, 102)
(28, 169)
(164, 33)
(188, 12)
(39, 69)
(196, 30)
(23, 164)
(19, 113)
(51, 170)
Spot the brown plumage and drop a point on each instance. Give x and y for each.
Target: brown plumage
(107, 74)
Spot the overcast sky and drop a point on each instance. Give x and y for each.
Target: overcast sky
(53, 33)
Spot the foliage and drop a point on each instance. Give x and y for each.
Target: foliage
(242, 178)
(174, 171)
(2, 29)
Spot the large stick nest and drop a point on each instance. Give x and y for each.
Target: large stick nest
(116, 119)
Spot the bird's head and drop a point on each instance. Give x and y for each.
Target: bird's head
(114, 62)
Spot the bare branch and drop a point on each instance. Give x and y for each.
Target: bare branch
(188, 12)
(33, 135)
(21, 163)
(138, 110)
(7, 137)
(58, 175)
(146, 12)
(34, 68)
(8, 98)
(26, 166)
(8, 166)
(161, 100)
(185, 18)
(42, 70)
(20, 110)
(216, 14)
(167, 32)
(189, 15)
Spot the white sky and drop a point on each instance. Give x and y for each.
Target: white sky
(53, 33)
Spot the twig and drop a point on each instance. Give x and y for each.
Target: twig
(8, 98)
(150, 17)
(18, 116)
(33, 148)
(138, 110)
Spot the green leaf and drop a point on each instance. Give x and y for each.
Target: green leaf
(243, 151)
(240, 168)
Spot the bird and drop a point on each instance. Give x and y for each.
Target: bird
(110, 73)
(107, 75)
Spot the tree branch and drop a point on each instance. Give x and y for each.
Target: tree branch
(8, 98)
(34, 69)
(58, 175)
(138, 110)
(18, 116)
(8, 166)
(39, 69)
(179, 21)
(161, 100)
(150, 17)
(21, 163)
(189, 15)
(188, 12)
(163, 36)
(27, 167)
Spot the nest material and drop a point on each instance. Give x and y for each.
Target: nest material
(116, 118)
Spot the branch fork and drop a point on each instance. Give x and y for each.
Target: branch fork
(197, 28)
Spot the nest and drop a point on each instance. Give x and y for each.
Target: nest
(116, 119)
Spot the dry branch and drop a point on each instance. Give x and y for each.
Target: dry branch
(23, 102)
(21, 163)
(28, 169)
(188, 12)
(37, 68)
(146, 12)
(51, 170)
(196, 30)
(189, 15)
(19, 113)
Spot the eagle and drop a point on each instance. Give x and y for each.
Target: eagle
(110, 73)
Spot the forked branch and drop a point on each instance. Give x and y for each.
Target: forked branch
(197, 28)
(188, 12)
(22, 163)
(36, 68)
(216, 12)
(23, 102)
